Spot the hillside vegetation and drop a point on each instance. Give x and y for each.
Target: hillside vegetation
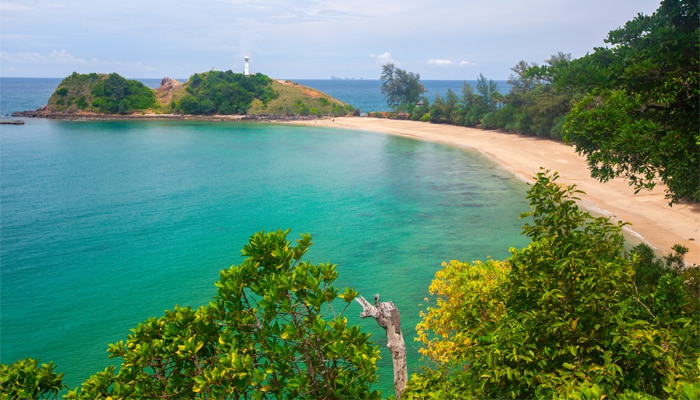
(295, 99)
(101, 93)
(207, 93)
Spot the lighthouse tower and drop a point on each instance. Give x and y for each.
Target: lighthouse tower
(246, 70)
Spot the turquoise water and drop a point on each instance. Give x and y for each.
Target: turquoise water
(104, 224)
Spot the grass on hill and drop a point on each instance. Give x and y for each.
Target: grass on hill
(295, 99)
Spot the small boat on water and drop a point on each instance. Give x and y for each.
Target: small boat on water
(11, 122)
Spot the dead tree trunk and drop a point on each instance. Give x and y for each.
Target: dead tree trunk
(387, 316)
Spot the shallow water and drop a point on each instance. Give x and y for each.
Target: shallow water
(104, 224)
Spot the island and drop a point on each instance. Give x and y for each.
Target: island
(212, 95)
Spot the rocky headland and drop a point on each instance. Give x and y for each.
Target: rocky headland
(209, 96)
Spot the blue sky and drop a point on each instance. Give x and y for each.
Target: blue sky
(300, 39)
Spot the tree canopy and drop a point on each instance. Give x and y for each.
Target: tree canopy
(572, 315)
(402, 89)
(102, 93)
(639, 116)
(217, 92)
(272, 331)
(563, 317)
(631, 108)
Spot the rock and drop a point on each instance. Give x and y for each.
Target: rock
(165, 92)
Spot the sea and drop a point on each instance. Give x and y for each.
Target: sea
(105, 224)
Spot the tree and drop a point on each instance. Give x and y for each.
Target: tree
(639, 117)
(559, 318)
(534, 106)
(447, 110)
(270, 332)
(387, 316)
(26, 379)
(474, 107)
(402, 89)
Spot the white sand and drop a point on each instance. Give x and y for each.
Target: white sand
(650, 217)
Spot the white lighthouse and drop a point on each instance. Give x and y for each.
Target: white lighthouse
(246, 69)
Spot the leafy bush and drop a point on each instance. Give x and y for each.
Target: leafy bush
(26, 379)
(562, 317)
(270, 332)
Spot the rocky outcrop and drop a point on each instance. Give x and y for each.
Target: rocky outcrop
(11, 122)
(167, 89)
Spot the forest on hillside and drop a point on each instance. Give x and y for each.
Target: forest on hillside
(204, 94)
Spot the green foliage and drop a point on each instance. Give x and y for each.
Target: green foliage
(478, 106)
(631, 108)
(110, 94)
(639, 119)
(70, 89)
(217, 92)
(117, 95)
(534, 106)
(270, 332)
(26, 379)
(471, 109)
(445, 111)
(567, 321)
(402, 89)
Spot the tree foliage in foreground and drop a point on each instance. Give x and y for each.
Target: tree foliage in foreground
(561, 318)
(270, 332)
(26, 379)
(572, 315)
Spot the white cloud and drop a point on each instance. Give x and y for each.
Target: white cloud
(61, 62)
(55, 57)
(7, 6)
(440, 62)
(307, 39)
(62, 57)
(384, 58)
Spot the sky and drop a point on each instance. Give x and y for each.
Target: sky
(301, 39)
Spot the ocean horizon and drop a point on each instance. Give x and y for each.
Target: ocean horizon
(363, 94)
(105, 224)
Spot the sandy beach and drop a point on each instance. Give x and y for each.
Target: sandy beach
(650, 217)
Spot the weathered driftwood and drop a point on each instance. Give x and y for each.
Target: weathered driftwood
(387, 316)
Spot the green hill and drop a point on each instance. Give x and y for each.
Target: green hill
(295, 99)
(207, 93)
(101, 93)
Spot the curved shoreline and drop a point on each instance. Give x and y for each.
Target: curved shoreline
(650, 217)
(86, 116)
